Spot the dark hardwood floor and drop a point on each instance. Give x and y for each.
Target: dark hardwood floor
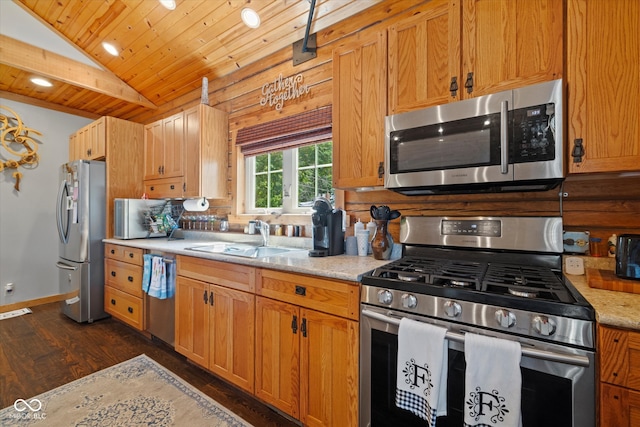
(45, 349)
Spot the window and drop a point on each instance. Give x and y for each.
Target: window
(288, 180)
(288, 162)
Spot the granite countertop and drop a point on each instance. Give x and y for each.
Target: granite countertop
(613, 308)
(341, 267)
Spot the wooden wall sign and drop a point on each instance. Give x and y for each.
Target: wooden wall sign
(15, 140)
(282, 89)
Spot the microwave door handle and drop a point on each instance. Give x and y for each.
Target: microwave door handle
(504, 137)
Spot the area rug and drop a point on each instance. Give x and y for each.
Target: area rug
(138, 392)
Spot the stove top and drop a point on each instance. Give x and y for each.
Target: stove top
(539, 289)
(511, 262)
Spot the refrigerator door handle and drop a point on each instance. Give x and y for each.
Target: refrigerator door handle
(64, 236)
(64, 266)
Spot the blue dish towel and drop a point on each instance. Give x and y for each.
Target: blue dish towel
(158, 279)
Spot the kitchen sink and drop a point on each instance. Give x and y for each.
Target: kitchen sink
(242, 250)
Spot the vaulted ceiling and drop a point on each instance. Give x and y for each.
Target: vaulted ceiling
(163, 54)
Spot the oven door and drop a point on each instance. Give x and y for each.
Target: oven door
(558, 390)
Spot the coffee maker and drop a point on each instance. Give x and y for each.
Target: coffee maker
(328, 235)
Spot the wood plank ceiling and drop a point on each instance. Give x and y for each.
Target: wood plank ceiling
(163, 54)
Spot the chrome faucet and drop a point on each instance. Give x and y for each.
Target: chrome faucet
(264, 228)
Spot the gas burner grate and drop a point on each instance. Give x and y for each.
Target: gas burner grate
(525, 282)
(464, 274)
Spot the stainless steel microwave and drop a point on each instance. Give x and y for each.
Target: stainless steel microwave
(129, 218)
(506, 141)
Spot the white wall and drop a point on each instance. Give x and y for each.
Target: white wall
(28, 236)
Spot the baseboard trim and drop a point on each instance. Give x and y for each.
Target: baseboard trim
(32, 303)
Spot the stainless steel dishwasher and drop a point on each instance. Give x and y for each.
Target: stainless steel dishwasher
(160, 313)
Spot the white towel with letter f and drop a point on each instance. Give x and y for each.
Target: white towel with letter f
(422, 370)
(493, 382)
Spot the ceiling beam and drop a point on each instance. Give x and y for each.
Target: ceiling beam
(39, 61)
(48, 105)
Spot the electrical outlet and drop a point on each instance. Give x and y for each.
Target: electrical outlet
(574, 265)
(8, 288)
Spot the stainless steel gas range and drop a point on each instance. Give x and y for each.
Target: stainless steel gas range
(497, 276)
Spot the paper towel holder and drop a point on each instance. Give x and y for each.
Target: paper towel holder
(196, 205)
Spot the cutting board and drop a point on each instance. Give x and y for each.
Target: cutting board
(606, 279)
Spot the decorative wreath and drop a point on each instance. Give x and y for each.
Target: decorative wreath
(14, 132)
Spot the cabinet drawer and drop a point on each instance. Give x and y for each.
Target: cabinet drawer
(123, 253)
(163, 188)
(123, 276)
(329, 296)
(124, 307)
(220, 273)
(619, 357)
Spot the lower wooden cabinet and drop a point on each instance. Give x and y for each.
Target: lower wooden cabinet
(619, 377)
(215, 325)
(306, 359)
(123, 296)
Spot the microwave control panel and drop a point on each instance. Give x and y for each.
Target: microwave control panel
(534, 133)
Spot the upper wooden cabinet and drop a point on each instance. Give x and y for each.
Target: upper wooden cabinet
(359, 108)
(479, 46)
(164, 148)
(186, 154)
(424, 54)
(510, 43)
(603, 45)
(206, 152)
(120, 144)
(89, 142)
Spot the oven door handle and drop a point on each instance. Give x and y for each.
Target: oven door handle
(570, 359)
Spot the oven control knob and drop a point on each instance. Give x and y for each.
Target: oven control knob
(385, 297)
(409, 301)
(505, 318)
(452, 309)
(544, 326)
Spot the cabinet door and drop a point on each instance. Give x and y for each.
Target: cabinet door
(278, 354)
(173, 145)
(97, 139)
(192, 319)
(603, 39)
(83, 141)
(359, 108)
(619, 407)
(328, 370)
(424, 54)
(73, 147)
(153, 150)
(232, 327)
(511, 43)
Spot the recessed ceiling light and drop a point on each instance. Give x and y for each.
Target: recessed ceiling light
(41, 82)
(169, 4)
(110, 48)
(250, 18)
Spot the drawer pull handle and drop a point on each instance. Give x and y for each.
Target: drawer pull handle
(130, 278)
(113, 251)
(301, 290)
(615, 374)
(206, 297)
(173, 187)
(113, 302)
(113, 274)
(152, 188)
(130, 310)
(211, 299)
(130, 254)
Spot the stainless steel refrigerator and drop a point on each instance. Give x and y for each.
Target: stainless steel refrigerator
(80, 218)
